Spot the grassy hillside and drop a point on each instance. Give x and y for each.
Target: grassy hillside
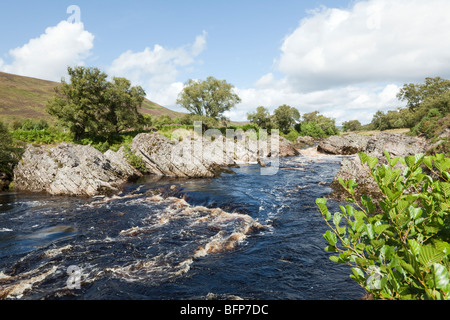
(25, 98)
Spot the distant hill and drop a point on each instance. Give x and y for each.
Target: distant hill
(25, 98)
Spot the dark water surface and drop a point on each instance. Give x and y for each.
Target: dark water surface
(238, 236)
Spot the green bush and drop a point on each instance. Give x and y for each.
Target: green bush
(292, 135)
(45, 136)
(399, 247)
(310, 129)
(9, 153)
(134, 160)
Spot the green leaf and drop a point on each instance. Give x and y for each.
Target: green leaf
(414, 247)
(445, 187)
(406, 266)
(330, 237)
(428, 162)
(363, 157)
(359, 274)
(331, 249)
(380, 228)
(440, 273)
(414, 213)
(337, 218)
(335, 259)
(370, 231)
(410, 161)
(368, 203)
(429, 255)
(372, 162)
(402, 205)
(321, 204)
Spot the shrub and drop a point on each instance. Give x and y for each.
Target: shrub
(45, 136)
(398, 248)
(9, 154)
(292, 135)
(134, 160)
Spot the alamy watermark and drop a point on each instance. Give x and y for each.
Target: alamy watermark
(245, 147)
(75, 13)
(74, 280)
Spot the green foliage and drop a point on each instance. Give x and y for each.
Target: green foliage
(428, 124)
(311, 129)
(9, 153)
(90, 104)
(292, 135)
(285, 117)
(417, 94)
(162, 121)
(261, 118)
(426, 104)
(46, 136)
(393, 119)
(351, 125)
(399, 247)
(29, 124)
(189, 119)
(316, 125)
(134, 160)
(211, 97)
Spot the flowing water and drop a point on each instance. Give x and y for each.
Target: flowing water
(239, 236)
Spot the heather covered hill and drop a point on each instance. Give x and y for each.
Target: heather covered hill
(25, 98)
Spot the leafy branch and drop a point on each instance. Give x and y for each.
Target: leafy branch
(399, 249)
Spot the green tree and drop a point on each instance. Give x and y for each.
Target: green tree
(328, 125)
(379, 121)
(9, 154)
(416, 94)
(211, 97)
(316, 125)
(122, 103)
(351, 125)
(310, 129)
(261, 118)
(285, 117)
(91, 104)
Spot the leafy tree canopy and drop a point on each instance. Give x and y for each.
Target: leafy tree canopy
(92, 104)
(416, 94)
(351, 125)
(285, 117)
(211, 97)
(261, 118)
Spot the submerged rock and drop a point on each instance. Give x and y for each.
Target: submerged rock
(68, 169)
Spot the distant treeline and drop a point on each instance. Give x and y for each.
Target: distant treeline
(427, 106)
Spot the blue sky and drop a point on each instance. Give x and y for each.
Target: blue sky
(346, 59)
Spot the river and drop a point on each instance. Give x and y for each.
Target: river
(239, 236)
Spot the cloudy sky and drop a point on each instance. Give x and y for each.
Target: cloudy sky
(346, 59)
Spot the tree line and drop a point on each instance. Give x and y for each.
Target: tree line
(426, 104)
(101, 111)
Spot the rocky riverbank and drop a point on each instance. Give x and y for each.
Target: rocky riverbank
(397, 145)
(69, 169)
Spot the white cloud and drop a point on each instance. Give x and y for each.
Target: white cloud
(341, 104)
(349, 63)
(47, 57)
(157, 69)
(373, 41)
